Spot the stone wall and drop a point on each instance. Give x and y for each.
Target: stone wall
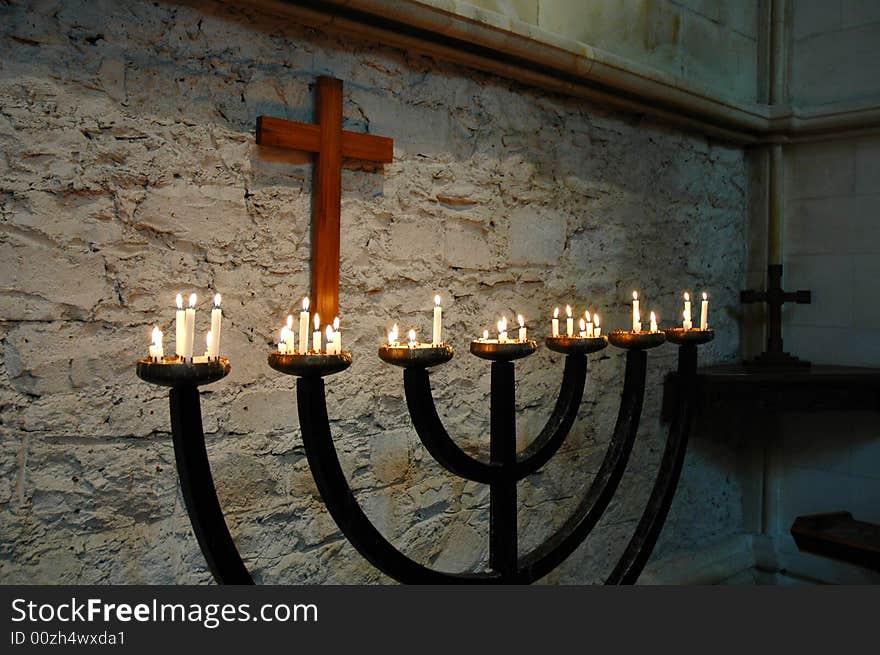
(712, 45)
(128, 173)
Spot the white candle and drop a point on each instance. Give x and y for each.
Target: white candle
(209, 344)
(180, 328)
(331, 342)
(337, 337)
(555, 324)
(637, 317)
(288, 337)
(304, 326)
(589, 322)
(156, 349)
(502, 329)
(189, 343)
(412, 338)
(686, 322)
(282, 345)
(522, 327)
(704, 312)
(569, 322)
(653, 322)
(438, 320)
(597, 331)
(316, 335)
(583, 326)
(216, 316)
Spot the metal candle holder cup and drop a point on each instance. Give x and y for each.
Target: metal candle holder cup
(504, 468)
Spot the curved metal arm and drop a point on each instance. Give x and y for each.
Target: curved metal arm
(343, 506)
(559, 546)
(436, 440)
(643, 541)
(545, 445)
(199, 493)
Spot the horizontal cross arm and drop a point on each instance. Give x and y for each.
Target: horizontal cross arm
(282, 133)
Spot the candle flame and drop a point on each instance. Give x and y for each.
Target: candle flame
(284, 332)
(522, 321)
(290, 321)
(437, 300)
(635, 295)
(157, 336)
(391, 338)
(596, 320)
(500, 326)
(336, 324)
(583, 324)
(568, 310)
(306, 304)
(687, 296)
(587, 315)
(556, 313)
(396, 332)
(705, 296)
(486, 334)
(653, 318)
(412, 336)
(329, 333)
(192, 300)
(179, 301)
(217, 300)
(317, 322)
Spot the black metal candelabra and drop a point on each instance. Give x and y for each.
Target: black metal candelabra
(504, 468)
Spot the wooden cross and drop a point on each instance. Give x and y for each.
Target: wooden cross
(775, 297)
(331, 145)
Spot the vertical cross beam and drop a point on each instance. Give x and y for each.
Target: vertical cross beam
(327, 201)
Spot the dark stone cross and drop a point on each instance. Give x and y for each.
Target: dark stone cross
(775, 297)
(331, 144)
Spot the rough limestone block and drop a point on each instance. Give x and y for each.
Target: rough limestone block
(536, 236)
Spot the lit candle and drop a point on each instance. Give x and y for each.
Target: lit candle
(412, 338)
(209, 344)
(180, 328)
(583, 326)
(637, 317)
(190, 328)
(485, 335)
(337, 337)
(156, 350)
(704, 312)
(589, 323)
(653, 322)
(393, 335)
(216, 316)
(282, 345)
(522, 327)
(597, 331)
(304, 326)
(686, 322)
(438, 316)
(288, 336)
(569, 322)
(316, 335)
(555, 323)
(331, 342)
(502, 329)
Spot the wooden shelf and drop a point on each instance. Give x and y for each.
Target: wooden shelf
(804, 388)
(839, 536)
